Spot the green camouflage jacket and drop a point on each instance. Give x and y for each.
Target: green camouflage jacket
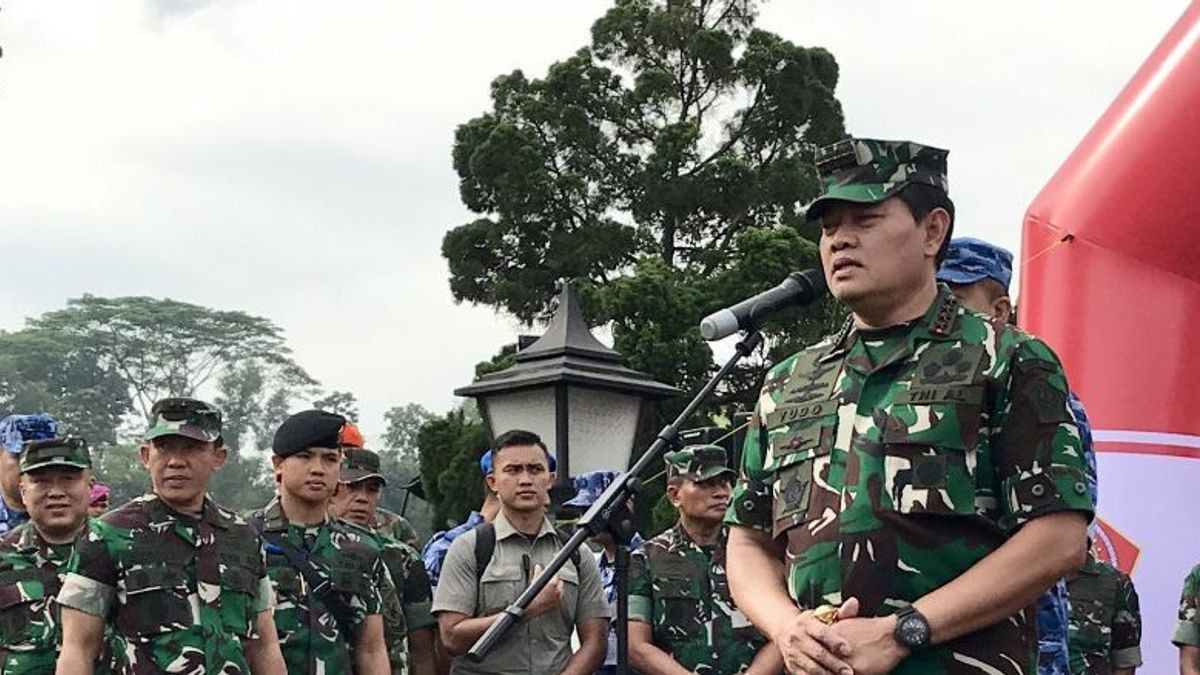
(31, 572)
(180, 592)
(680, 589)
(410, 611)
(349, 556)
(396, 526)
(890, 462)
(1104, 630)
(1187, 631)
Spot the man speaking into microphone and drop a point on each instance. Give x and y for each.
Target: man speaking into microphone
(911, 485)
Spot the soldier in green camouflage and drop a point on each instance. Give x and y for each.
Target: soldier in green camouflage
(1104, 629)
(329, 577)
(55, 477)
(1187, 631)
(392, 524)
(682, 618)
(410, 632)
(910, 485)
(180, 581)
(395, 526)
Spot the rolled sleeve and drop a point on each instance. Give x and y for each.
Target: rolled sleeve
(1187, 631)
(750, 503)
(457, 588)
(641, 600)
(592, 603)
(1040, 459)
(87, 595)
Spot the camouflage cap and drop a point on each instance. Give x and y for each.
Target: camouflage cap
(588, 487)
(15, 430)
(699, 463)
(188, 417)
(360, 464)
(969, 260)
(867, 171)
(71, 451)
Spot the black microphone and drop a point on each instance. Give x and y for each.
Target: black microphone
(799, 288)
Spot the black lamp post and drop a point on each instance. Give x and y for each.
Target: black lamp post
(572, 391)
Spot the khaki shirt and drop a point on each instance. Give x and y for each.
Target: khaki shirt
(536, 647)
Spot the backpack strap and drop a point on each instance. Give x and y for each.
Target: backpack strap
(485, 548)
(319, 586)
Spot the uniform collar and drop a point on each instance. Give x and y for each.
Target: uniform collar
(681, 539)
(31, 540)
(162, 514)
(940, 322)
(1091, 565)
(505, 529)
(275, 520)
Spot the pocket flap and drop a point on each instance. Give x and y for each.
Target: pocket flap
(153, 578)
(938, 425)
(675, 587)
(495, 572)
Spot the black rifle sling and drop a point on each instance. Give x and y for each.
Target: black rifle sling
(319, 587)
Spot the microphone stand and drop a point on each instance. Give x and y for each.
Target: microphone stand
(600, 517)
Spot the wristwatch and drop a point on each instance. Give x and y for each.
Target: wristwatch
(912, 630)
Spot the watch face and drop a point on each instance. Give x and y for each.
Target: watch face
(913, 632)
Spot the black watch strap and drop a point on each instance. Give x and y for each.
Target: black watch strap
(912, 630)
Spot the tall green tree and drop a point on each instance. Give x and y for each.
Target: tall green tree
(666, 165)
(343, 403)
(163, 347)
(448, 449)
(403, 425)
(42, 372)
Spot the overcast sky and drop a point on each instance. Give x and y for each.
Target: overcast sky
(292, 158)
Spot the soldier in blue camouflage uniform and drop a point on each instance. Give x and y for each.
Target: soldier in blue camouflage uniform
(588, 488)
(341, 631)
(15, 430)
(682, 618)
(410, 631)
(55, 476)
(979, 273)
(912, 484)
(180, 582)
(434, 553)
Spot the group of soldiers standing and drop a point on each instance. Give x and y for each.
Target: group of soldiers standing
(915, 496)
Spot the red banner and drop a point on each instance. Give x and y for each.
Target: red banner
(1110, 278)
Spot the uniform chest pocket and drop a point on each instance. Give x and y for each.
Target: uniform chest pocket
(157, 600)
(1091, 624)
(22, 602)
(799, 458)
(680, 611)
(499, 586)
(930, 459)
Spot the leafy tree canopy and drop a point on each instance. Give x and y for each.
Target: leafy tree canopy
(666, 165)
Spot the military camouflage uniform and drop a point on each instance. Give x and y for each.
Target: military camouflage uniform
(890, 462)
(679, 588)
(1105, 629)
(31, 571)
(1187, 631)
(396, 526)
(181, 591)
(309, 636)
(413, 598)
